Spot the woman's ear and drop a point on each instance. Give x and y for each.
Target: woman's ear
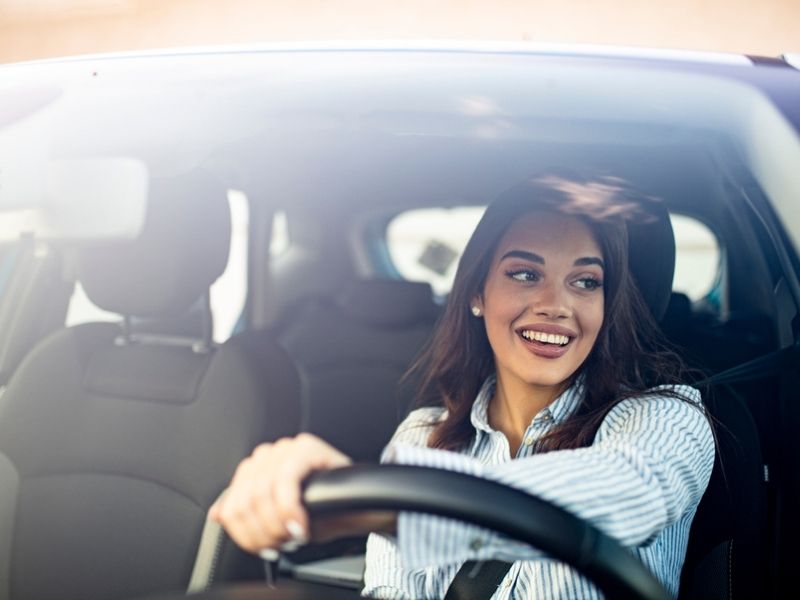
(476, 307)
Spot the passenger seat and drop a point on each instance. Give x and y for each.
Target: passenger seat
(116, 438)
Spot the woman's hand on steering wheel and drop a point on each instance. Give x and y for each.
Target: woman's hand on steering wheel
(262, 507)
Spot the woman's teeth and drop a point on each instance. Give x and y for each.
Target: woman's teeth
(546, 338)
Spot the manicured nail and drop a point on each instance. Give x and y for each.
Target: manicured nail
(290, 546)
(269, 555)
(296, 531)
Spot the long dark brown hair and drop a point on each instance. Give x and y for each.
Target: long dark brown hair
(629, 356)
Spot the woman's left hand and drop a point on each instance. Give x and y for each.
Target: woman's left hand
(262, 508)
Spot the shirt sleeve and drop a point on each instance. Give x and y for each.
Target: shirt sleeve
(650, 464)
(385, 576)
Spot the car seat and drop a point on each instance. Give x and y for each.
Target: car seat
(115, 440)
(352, 352)
(726, 554)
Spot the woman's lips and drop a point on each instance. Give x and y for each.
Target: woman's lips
(549, 343)
(546, 350)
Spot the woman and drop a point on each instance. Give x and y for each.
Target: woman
(547, 355)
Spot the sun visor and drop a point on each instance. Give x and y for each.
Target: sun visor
(75, 199)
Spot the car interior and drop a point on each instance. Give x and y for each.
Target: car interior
(117, 435)
(152, 414)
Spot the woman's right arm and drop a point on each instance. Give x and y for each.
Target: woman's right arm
(262, 507)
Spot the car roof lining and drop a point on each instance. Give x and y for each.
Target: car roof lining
(441, 128)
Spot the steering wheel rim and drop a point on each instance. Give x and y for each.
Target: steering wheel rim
(526, 518)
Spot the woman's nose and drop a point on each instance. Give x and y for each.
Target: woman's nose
(552, 301)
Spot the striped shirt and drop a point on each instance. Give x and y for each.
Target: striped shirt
(639, 482)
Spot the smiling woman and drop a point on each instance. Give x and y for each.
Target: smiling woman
(587, 224)
(551, 378)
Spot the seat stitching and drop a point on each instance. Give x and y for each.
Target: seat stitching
(730, 571)
(153, 482)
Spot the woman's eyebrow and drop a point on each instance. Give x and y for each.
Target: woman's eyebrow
(532, 257)
(524, 255)
(589, 260)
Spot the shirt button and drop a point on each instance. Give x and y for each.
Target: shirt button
(507, 582)
(476, 544)
(529, 441)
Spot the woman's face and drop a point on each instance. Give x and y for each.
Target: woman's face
(543, 300)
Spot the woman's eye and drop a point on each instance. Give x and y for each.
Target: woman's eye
(524, 275)
(588, 283)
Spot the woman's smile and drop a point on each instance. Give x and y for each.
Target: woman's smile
(545, 340)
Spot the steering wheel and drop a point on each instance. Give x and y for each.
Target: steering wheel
(508, 511)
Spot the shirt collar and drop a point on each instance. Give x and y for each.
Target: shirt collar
(480, 408)
(568, 402)
(557, 411)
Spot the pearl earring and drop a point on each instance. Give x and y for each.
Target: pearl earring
(476, 311)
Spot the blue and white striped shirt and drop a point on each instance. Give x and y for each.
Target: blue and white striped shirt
(639, 482)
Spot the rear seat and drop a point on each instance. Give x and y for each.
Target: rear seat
(715, 346)
(352, 352)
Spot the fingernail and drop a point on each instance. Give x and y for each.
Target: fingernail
(290, 546)
(296, 531)
(269, 555)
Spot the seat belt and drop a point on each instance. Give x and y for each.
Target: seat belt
(205, 562)
(478, 580)
(758, 368)
(9, 493)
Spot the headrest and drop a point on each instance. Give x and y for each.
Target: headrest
(182, 249)
(388, 303)
(651, 256)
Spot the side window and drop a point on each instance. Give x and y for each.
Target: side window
(425, 245)
(279, 239)
(697, 258)
(228, 293)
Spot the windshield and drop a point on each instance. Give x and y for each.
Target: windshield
(79, 137)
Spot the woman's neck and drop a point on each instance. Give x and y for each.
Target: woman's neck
(514, 405)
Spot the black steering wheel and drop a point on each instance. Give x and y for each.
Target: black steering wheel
(614, 569)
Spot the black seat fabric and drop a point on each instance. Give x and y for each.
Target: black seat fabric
(727, 551)
(352, 353)
(113, 446)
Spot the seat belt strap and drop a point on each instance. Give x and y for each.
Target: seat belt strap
(763, 366)
(9, 492)
(205, 562)
(477, 580)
